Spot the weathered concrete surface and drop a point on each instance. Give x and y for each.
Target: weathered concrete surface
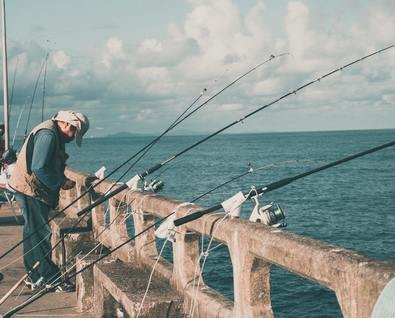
(10, 214)
(84, 283)
(51, 305)
(121, 287)
(356, 280)
(78, 239)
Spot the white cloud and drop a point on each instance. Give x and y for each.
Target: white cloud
(143, 114)
(113, 52)
(230, 107)
(60, 59)
(268, 86)
(150, 45)
(214, 43)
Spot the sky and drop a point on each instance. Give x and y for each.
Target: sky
(134, 66)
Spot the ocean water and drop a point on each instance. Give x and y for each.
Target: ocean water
(351, 205)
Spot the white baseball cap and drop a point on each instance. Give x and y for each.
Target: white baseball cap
(78, 120)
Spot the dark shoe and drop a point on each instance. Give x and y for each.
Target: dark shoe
(1, 277)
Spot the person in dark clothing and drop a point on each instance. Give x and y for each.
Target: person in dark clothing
(37, 179)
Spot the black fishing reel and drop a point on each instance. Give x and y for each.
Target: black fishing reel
(270, 214)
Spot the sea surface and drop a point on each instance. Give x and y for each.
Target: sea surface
(351, 205)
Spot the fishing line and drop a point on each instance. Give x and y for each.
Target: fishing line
(33, 96)
(42, 240)
(174, 124)
(13, 85)
(208, 249)
(184, 115)
(44, 81)
(150, 278)
(149, 146)
(19, 120)
(198, 214)
(169, 237)
(283, 182)
(293, 92)
(91, 187)
(252, 170)
(106, 226)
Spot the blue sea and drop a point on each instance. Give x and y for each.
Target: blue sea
(351, 205)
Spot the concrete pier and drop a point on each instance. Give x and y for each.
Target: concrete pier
(116, 286)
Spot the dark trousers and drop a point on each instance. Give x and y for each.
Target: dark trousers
(37, 239)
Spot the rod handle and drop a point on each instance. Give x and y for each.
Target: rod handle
(196, 215)
(150, 170)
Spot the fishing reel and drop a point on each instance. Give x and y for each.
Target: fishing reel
(137, 183)
(270, 214)
(153, 185)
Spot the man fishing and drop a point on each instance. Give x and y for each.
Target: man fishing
(37, 179)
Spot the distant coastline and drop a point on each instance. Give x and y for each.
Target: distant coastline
(124, 134)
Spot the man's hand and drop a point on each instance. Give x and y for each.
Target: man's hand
(68, 184)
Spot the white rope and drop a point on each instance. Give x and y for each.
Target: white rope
(159, 256)
(107, 226)
(205, 254)
(150, 277)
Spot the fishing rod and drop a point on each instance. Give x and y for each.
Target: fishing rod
(172, 126)
(44, 81)
(281, 183)
(33, 96)
(132, 182)
(135, 179)
(258, 191)
(91, 187)
(212, 97)
(13, 84)
(249, 171)
(241, 175)
(19, 120)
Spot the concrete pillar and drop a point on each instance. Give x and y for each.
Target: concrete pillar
(144, 244)
(84, 283)
(251, 281)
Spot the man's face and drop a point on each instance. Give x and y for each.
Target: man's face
(68, 131)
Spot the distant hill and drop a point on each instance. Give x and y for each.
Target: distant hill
(125, 134)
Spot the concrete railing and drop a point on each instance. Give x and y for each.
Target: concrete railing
(356, 280)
